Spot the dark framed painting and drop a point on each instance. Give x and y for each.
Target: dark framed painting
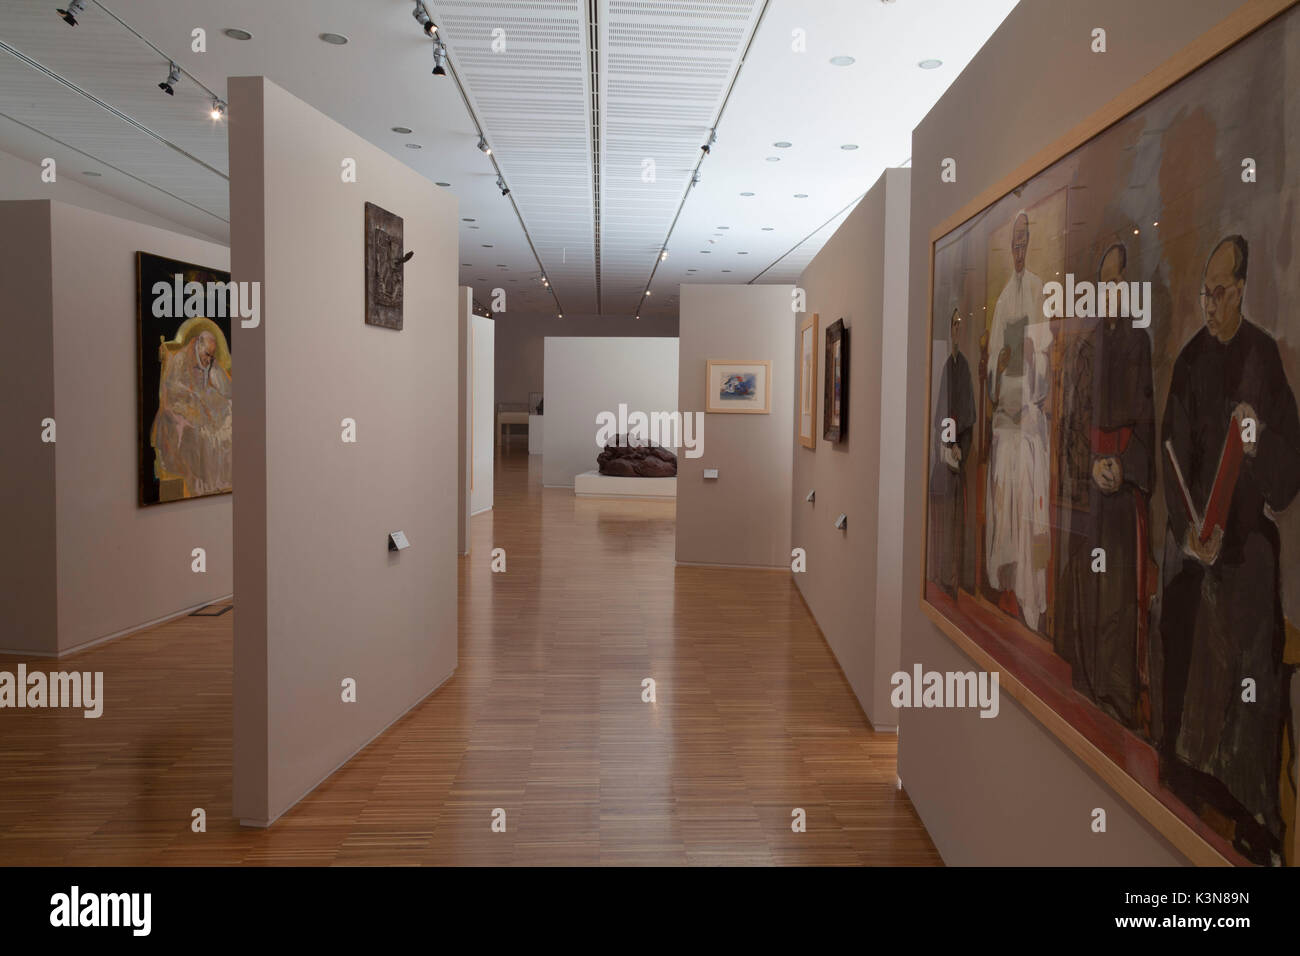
(184, 380)
(835, 404)
(385, 268)
(1113, 442)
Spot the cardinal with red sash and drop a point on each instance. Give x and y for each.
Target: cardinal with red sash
(1108, 470)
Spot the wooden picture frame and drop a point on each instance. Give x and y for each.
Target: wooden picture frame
(385, 268)
(806, 413)
(835, 400)
(1114, 753)
(734, 387)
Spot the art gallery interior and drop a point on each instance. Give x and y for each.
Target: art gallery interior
(453, 432)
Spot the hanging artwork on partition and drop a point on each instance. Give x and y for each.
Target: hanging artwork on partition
(738, 387)
(1114, 443)
(385, 268)
(184, 388)
(835, 406)
(808, 382)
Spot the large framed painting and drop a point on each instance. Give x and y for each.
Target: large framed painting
(808, 382)
(184, 380)
(738, 387)
(1113, 444)
(835, 403)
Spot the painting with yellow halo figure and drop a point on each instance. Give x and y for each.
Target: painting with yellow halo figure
(184, 393)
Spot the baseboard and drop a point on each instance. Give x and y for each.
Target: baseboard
(479, 512)
(125, 632)
(262, 824)
(732, 567)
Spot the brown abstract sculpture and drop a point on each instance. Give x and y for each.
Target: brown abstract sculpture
(621, 460)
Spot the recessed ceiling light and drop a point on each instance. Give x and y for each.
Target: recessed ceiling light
(90, 172)
(724, 227)
(473, 227)
(742, 253)
(469, 220)
(726, 270)
(402, 129)
(774, 159)
(442, 184)
(336, 39)
(705, 252)
(747, 194)
(930, 64)
(849, 146)
(414, 146)
(843, 60)
(768, 228)
(782, 144)
(468, 265)
(800, 195)
(237, 34)
(487, 245)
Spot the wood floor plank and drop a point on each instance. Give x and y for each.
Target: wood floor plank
(543, 719)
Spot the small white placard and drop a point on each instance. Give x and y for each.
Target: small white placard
(397, 541)
(710, 473)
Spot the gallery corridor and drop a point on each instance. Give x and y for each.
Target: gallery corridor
(544, 719)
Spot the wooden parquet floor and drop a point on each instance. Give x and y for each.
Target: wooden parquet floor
(544, 718)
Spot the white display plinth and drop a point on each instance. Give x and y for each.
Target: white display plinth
(592, 484)
(534, 434)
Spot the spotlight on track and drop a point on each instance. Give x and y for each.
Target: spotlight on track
(501, 185)
(168, 85)
(713, 138)
(483, 146)
(663, 255)
(439, 58)
(422, 17)
(218, 110)
(70, 14)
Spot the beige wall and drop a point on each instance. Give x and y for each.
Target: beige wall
(320, 596)
(120, 565)
(28, 549)
(1006, 791)
(464, 408)
(520, 359)
(846, 586)
(742, 517)
(83, 548)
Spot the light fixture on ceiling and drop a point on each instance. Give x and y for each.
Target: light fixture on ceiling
(439, 58)
(218, 109)
(768, 228)
(713, 138)
(403, 130)
(414, 146)
(443, 185)
(930, 64)
(724, 227)
(782, 144)
(695, 178)
(501, 185)
(237, 34)
(849, 146)
(469, 220)
(91, 172)
(168, 85)
(647, 292)
(70, 14)
(422, 17)
(843, 61)
(747, 194)
(483, 146)
(334, 39)
(774, 159)
(663, 255)
(800, 195)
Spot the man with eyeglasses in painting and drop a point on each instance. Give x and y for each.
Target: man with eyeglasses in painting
(1222, 626)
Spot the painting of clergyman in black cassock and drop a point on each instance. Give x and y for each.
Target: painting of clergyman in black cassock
(954, 429)
(1161, 624)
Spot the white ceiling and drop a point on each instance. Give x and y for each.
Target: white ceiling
(662, 70)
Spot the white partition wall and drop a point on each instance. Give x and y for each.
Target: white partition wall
(587, 376)
(483, 414)
(322, 600)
